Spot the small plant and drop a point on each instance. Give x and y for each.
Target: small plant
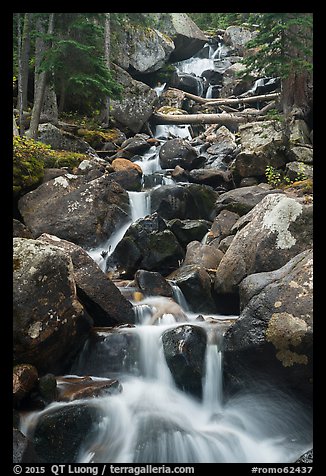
(277, 178)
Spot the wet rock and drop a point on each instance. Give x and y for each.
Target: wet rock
(203, 202)
(67, 207)
(170, 201)
(98, 294)
(177, 152)
(152, 283)
(50, 325)
(23, 450)
(189, 230)
(73, 388)
(25, 378)
(184, 349)
(273, 336)
(138, 144)
(195, 284)
(47, 388)
(60, 432)
(149, 245)
(128, 179)
(108, 352)
(272, 233)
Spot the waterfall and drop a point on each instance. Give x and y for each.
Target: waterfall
(140, 204)
(153, 421)
(179, 297)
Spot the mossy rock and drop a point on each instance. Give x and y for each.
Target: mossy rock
(63, 158)
(28, 164)
(96, 139)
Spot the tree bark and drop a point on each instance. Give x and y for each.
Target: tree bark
(24, 59)
(107, 55)
(40, 77)
(15, 128)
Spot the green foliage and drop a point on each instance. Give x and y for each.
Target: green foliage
(282, 46)
(208, 21)
(28, 164)
(277, 178)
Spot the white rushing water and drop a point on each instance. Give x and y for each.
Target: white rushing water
(152, 421)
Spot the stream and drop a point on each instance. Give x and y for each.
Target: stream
(154, 421)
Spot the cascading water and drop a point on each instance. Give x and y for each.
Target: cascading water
(153, 420)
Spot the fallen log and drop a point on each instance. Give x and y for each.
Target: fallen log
(227, 101)
(226, 119)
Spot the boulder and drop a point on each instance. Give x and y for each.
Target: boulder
(107, 353)
(19, 230)
(273, 336)
(177, 152)
(149, 245)
(184, 349)
(60, 432)
(62, 140)
(85, 213)
(129, 179)
(199, 254)
(195, 284)
(189, 230)
(262, 144)
(102, 299)
(152, 283)
(137, 104)
(25, 378)
(49, 323)
(242, 200)
(302, 154)
(138, 144)
(186, 36)
(299, 132)
(52, 173)
(214, 177)
(237, 37)
(272, 233)
(299, 171)
(223, 146)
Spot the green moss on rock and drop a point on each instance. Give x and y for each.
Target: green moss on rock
(28, 164)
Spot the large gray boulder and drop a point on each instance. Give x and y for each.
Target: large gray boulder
(272, 233)
(67, 207)
(149, 50)
(49, 323)
(237, 37)
(262, 144)
(137, 103)
(273, 335)
(187, 37)
(102, 299)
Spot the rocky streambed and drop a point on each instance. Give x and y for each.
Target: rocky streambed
(175, 216)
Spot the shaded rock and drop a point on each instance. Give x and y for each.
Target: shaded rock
(204, 198)
(184, 349)
(242, 200)
(25, 377)
(224, 145)
(273, 232)
(302, 154)
(222, 226)
(213, 177)
(273, 335)
(195, 284)
(152, 283)
(50, 324)
(20, 230)
(189, 230)
(262, 144)
(137, 104)
(225, 243)
(60, 431)
(248, 182)
(177, 152)
(137, 144)
(52, 173)
(23, 450)
(62, 140)
(129, 179)
(108, 352)
(232, 85)
(67, 207)
(73, 388)
(299, 132)
(99, 295)
(179, 174)
(47, 388)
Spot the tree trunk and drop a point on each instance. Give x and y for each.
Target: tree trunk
(20, 73)
(40, 77)
(24, 59)
(15, 128)
(107, 55)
